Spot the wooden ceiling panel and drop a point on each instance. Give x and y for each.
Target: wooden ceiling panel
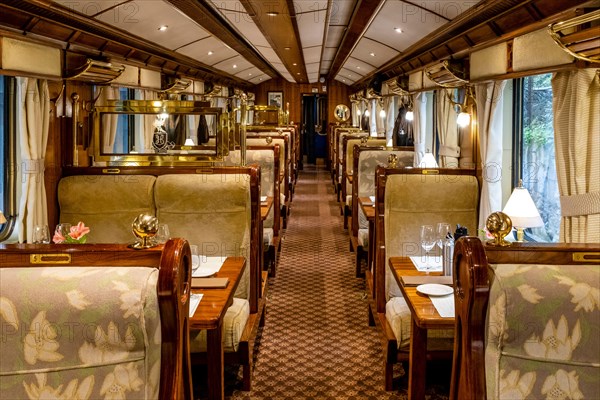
(458, 44)
(13, 19)
(118, 49)
(481, 33)
(311, 27)
(52, 30)
(515, 20)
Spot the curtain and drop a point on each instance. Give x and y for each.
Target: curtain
(355, 116)
(373, 117)
(447, 130)
(489, 120)
(109, 122)
(33, 123)
(389, 120)
(419, 125)
(144, 125)
(576, 108)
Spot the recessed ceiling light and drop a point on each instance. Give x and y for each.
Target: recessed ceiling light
(249, 73)
(398, 30)
(372, 54)
(210, 53)
(287, 48)
(163, 28)
(294, 64)
(357, 67)
(234, 65)
(297, 73)
(272, 13)
(343, 80)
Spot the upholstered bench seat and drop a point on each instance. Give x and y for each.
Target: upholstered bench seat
(234, 324)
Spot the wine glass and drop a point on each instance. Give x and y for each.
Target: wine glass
(427, 239)
(163, 234)
(41, 234)
(442, 231)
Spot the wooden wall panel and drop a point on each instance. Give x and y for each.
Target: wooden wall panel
(337, 93)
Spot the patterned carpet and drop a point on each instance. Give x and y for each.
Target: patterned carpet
(316, 343)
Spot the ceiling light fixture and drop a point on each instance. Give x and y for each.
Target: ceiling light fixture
(398, 30)
(294, 64)
(272, 13)
(357, 67)
(163, 28)
(372, 54)
(210, 53)
(234, 65)
(287, 48)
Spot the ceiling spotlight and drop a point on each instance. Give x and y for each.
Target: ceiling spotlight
(372, 54)
(287, 48)
(294, 64)
(249, 73)
(297, 73)
(357, 67)
(163, 28)
(272, 13)
(210, 53)
(234, 65)
(398, 30)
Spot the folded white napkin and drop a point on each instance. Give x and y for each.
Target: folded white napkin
(427, 264)
(444, 305)
(194, 301)
(203, 266)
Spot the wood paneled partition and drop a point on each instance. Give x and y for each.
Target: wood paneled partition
(337, 93)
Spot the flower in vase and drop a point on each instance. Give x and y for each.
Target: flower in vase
(77, 234)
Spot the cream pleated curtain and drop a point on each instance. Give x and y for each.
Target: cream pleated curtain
(576, 108)
(355, 114)
(109, 122)
(373, 117)
(33, 100)
(419, 125)
(449, 150)
(144, 125)
(489, 121)
(388, 105)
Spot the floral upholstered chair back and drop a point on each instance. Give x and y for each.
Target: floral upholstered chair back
(92, 333)
(542, 336)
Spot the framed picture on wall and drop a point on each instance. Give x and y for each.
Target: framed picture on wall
(275, 99)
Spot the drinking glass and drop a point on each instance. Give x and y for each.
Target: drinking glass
(163, 234)
(41, 234)
(195, 257)
(427, 239)
(64, 229)
(442, 231)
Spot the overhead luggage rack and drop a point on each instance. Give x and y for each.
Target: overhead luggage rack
(96, 71)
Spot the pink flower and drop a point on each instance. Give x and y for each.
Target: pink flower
(78, 231)
(58, 237)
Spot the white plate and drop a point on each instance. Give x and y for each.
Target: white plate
(434, 289)
(208, 266)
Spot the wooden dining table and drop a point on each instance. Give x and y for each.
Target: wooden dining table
(209, 315)
(424, 317)
(265, 207)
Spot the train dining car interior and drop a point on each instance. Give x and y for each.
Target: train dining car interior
(299, 199)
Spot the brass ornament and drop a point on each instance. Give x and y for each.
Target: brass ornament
(499, 225)
(392, 161)
(144, 227)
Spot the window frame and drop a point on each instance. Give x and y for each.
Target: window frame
(10, 157)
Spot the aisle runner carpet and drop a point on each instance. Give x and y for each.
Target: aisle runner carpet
(316, 343)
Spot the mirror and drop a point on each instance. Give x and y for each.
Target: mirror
(160, 132)
(342, 112)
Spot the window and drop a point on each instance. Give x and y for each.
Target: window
(534, 162)
(7, 153)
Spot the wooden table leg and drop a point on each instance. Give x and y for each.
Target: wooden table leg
(216, 362)
(417, 362)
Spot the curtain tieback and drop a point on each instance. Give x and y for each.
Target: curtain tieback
(35, 166)
(580, 204)
(449, 151)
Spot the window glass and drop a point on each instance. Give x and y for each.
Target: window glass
(538, 167)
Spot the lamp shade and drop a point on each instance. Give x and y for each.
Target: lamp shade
(428, 161)
(522, 210)
(189, 142)
(2, 218)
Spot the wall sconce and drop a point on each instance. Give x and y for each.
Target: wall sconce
(410, 115)
(522, 211)
(464, 117)
(367, 113)
(382, 113)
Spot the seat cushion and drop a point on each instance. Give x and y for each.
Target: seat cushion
(398, 316)
(363, 238)
(234, 323)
